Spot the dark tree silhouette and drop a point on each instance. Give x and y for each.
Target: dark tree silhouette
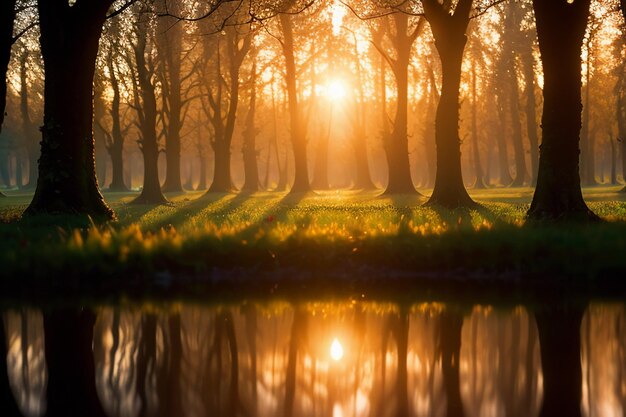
(449, 351)
(449, 27)
(69, 358)
(559, 339)
(115, 145)
(69, 39)
(560, 29)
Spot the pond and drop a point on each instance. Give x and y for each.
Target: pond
(339, 358)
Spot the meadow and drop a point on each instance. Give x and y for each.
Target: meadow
(341, 240)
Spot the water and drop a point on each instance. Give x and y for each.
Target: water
(330, 359)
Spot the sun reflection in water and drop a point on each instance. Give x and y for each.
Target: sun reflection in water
(336, 350)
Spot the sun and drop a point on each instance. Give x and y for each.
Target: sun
(335, 90)
(336, 350)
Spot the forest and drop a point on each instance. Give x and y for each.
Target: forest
(179, 138)
(313, 208)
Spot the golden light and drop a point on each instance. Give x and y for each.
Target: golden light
(335, 90)
(336, 350)
(338, 12)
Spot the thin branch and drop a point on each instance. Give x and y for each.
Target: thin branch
(121, 9)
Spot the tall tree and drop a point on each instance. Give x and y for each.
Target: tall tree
(7, 18)
(449, 26)
(146, 105)
(296, 120)
(115, 145)
(398, 29)
(237, 45)
(170, 47)
(67, 181)
(561, 28)
(512, 23)
(249, 151)
(29, 128)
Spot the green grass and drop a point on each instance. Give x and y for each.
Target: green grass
(334, 239)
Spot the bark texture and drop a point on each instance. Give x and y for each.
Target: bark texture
(67, 182)
(560, 29)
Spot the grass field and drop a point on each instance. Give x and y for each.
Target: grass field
(340, 238)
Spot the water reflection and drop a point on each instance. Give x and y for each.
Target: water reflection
(315, 360)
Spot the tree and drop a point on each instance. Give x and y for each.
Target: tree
(296, 120)
(559, 340)
(29, 127)
(237, 46)
(560, 29)
(7, 17)
(249, 151)
(449, 27)
(115, 144)
(146, 106)
(396, 143)
(170, 47)
(67, 180)
(71, 390)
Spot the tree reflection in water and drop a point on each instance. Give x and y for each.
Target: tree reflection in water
(275, 359)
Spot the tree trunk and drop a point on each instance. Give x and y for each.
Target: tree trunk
(450, 39)
(7, 17)
(69, 359)
(560, 28)
(151, 192)
(298, 330)
(478, 169)
(298, 136)
(222, 180)
(170, 43)
(67, 180)
(530, 109)
(450, 354)
(29, 130)
(559, 340)
(587, 152)
(203, 171)
(397, 143)
(613, 161)
(116, 147)
(250, 154)
(518, 146)
(429, 129)
(401, 334)
(505, 178)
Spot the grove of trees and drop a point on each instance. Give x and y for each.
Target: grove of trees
(166, 95)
